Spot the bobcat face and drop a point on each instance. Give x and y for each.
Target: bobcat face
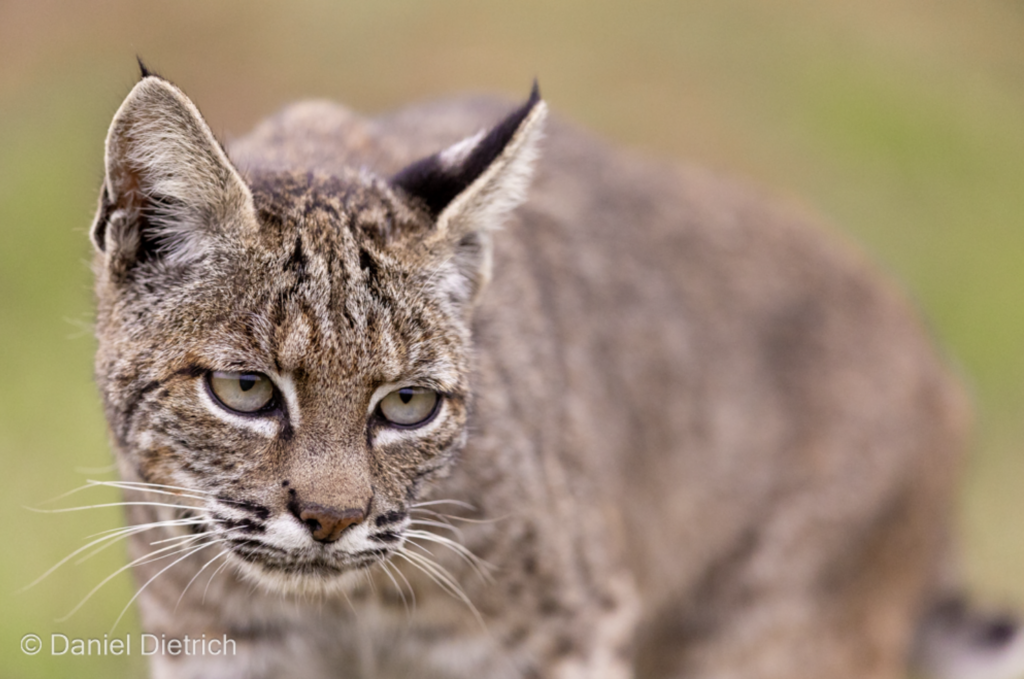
(285, 356)
(316, 326)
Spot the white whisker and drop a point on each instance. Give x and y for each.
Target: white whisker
(159, 573)
(483, 521)
(387, 571)
(113, 535)
(177, 538)
(212, 576)
(145, 558)
(442, 578)
(156, 491)
(408, 585)
(130, 485)
(369, 580)
(480, 566)
(154, 524)
(223, 552)
(446, 517)
(141, 485)
(437, 524)
(110, 504)
(67, 494)
(430, 503)
(133, 532)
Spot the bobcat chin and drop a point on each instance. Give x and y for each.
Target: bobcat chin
(458, 392)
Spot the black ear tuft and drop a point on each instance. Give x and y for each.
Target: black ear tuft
(438, 179)
(145, 72)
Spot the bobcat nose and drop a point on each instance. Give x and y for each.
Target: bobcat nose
(326, 524)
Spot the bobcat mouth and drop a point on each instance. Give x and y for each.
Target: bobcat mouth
(279, 552)
(303, 564)
(315, 561)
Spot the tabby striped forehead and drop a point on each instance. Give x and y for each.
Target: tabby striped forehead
(327, 296)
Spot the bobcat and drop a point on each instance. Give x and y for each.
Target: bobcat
(397, 420)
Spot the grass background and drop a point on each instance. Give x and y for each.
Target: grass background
(900, 121)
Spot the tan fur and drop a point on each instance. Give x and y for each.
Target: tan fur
(695, 436)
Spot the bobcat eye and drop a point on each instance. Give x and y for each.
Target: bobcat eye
(244, 392)
(409, 406)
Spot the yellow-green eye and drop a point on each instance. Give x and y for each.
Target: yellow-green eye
(409, 406)
(244, 392)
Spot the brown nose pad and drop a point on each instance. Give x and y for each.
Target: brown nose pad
(327, 524)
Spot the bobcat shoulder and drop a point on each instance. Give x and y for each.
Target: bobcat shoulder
(409, 413)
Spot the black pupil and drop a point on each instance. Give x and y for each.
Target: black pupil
(406, 395)
(247, 382)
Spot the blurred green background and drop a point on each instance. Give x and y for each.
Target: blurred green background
(900, 121)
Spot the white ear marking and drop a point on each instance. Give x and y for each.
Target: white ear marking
(457, 152)
(503, 185)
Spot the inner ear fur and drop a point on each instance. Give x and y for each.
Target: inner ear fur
(168, 182)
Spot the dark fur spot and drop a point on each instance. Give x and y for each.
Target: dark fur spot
(244, 525)
(390, 517)
(293, 503)
(252, 549)
(998, 632)
(386, 536)
(563, 647)
(297, 262)
(516, 636)
(367, 263)
(247, 555)
(259, 510)
(347, 315)
(191, 371)
(148, 387)
(270, 220)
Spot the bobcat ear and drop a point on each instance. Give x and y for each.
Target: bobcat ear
(472, 185)
(169, 185)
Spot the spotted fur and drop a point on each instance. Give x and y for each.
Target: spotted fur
(689, 435)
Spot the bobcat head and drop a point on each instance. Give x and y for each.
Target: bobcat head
(284, 357)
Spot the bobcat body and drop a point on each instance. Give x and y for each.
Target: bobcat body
(689, 435)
